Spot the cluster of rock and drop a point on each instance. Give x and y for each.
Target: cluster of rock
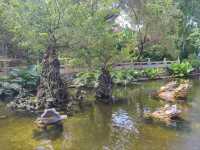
(9, 90)
(165, 114)
(171, 92)
(174, 91)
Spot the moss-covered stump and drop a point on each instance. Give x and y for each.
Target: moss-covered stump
(51, 91)
(173, 91)
(104, 88)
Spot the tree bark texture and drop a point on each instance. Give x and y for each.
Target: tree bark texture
(104, 89)
(51, 90)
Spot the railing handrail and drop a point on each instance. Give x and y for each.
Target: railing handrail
(146, 63)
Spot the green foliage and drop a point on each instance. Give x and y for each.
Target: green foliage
(159, 21)
(152, 73)
(125, 76)
(194, 61)
(89, 79)
(181, 69)
(27, 78)
(19, 79)
(157, 52)
(188, 20)
(93, 34)
(194, 39)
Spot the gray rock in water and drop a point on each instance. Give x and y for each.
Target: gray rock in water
(50, 116)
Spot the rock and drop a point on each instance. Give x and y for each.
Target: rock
(169, 86)
(49, 117)
(165, 114)
(9, 90)
(174, 91)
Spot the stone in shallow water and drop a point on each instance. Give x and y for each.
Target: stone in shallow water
(165, 114)
(49, 116)
(173, 91)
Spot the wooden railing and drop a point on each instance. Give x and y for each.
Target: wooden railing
(146, 64)
(4, 67)
(6, 64)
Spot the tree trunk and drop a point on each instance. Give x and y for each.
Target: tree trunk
(51, 91)
(104, 89)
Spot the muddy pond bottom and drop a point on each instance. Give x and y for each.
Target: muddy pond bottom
(117, 127)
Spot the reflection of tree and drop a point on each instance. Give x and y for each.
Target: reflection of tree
(140, 103)
(52, 132)
(100, 118)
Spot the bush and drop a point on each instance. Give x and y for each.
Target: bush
(152, 73)
(119, 77)
(86, 79)
(19, 79)
(125, 76)
(194, 61)
(27, 78)
(181, 69)
(157, 53)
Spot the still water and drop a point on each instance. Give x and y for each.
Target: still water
(118, 127)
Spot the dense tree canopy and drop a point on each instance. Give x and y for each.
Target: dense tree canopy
(84, 29)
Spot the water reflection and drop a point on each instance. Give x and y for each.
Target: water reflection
(122, 121)
(51, 133)
(111, 127)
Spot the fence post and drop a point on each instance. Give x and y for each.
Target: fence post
(178, 60)
(165, 61)
(148, 61)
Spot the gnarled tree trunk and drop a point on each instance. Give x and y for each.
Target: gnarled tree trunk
(51, 91)
(104, 89)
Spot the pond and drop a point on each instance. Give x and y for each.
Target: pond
(118, 127)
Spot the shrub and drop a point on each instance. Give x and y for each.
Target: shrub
(27, 77)
(125, 76)
(119, 77)
(157, 53)
(181, 69)
(86, 79)
(194, 61)
(152, 73)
